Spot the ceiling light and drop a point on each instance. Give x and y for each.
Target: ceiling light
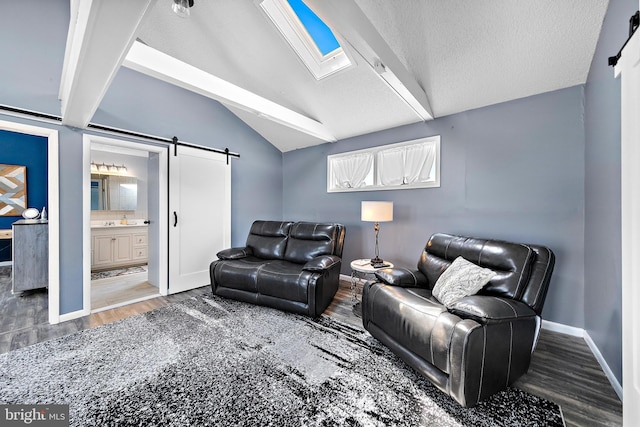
(182, 8)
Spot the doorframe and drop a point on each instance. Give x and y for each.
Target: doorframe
(163, 197)
(53, 193)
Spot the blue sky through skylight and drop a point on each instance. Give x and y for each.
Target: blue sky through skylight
(318, 30)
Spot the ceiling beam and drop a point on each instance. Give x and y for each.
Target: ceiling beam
(344, 17)
(152, 62)
(100, 35)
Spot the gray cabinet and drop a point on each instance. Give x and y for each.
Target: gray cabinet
(30, 255)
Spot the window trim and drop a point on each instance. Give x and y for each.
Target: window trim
(287, 22)
(435, 183)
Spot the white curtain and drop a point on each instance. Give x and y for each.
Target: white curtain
(405, 165)
(391, 166)
(351, 171)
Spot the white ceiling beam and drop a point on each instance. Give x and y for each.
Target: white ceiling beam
(344, 17)
(152, 62)
(100, 35)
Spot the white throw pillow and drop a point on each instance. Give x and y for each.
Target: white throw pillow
(462, 278)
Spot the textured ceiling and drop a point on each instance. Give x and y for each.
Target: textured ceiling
(465, 54)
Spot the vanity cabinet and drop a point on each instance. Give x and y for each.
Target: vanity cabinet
(30, 255)
(118, 247)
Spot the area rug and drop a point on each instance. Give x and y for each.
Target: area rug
(208, 361)
(118, 272)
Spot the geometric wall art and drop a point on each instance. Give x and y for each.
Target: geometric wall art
(13, 190)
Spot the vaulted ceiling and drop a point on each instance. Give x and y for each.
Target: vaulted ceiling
(443, 56)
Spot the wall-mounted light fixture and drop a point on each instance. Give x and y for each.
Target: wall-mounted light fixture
(112, 169)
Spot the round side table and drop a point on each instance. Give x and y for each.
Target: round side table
(360, 269)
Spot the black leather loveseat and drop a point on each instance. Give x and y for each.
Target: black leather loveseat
(477, 345)
(292, 266)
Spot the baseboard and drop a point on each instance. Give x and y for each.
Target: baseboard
(563, 329)
(603, 364)
(579, 332)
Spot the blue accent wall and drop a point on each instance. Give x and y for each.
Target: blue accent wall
(512, 171)
(30, 151)
(603, 269)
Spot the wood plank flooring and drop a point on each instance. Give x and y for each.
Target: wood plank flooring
(563, 368)
(113, 291)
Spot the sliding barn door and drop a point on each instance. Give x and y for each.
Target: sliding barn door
(628, 69)
(199, 215)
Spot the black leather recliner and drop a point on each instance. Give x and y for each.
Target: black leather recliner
(289, 266)
(480, 344)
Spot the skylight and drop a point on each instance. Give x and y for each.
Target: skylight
(310, 38)
(319, 31)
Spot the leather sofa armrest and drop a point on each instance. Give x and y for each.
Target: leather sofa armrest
(488, 309)
(234, 253)
(321, 263)
(402, 277)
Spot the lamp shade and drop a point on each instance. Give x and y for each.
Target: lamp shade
(377, 211)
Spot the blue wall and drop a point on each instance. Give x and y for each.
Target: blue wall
(511, 171)
(29, 151)
(603, 270)
(32, 43)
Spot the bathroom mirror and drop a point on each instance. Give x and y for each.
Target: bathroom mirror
(114, 193)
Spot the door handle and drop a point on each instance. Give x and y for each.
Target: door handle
(147, 221)
(175, 219)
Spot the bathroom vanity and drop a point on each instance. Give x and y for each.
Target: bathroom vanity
(116, 245)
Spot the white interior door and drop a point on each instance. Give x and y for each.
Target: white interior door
(629, 69)
(199, 215)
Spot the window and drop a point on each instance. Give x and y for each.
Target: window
(406, 165)
(308, 35)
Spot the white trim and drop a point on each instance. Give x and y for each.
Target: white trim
(287, 22)
(5, 263)
(434, 140)
(603, 364)
(562, 328)
(74, 315)
(87, 141)
(54, 209)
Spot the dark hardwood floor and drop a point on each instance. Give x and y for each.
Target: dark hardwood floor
(563, 368)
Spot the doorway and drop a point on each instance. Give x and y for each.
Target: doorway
(125, 187)
(53, 209)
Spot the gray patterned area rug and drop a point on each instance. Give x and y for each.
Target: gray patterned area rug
(208, 361)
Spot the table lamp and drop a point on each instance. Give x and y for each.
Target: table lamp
(377, 212)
